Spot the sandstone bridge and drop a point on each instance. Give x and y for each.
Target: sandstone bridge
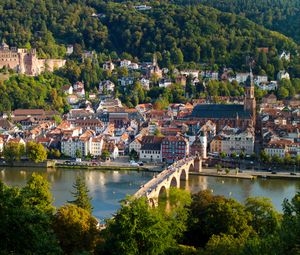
(170, 177)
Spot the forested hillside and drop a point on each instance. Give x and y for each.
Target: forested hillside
(279, 15)
(195, 33)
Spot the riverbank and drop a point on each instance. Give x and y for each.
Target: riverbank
(248, 174)
(114, 168)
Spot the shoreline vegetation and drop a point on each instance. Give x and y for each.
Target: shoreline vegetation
(183, 223)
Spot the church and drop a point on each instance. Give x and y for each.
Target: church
(234, 115)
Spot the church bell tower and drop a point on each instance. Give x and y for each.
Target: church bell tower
(249, 100)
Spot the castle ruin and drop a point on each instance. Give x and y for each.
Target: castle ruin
(26, 62)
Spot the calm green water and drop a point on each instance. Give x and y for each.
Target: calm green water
(109, 187)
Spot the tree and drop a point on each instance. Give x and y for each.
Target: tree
(78, 153)
(76, 229)
(37, 194)
(288, 159)
(13, 151)
(214, 215)
(137, 229)
(276, 159)
(242, 155)
(290, 226)
(265, 219)
(54, 153)
(219, 168)
(29, 218)
(158, 133)
(133, 154)
(105, 154)
(227, 170)
(222, 154)
(176, 210)
(234, 155)
(57, 119)
(282, 93)
(177, 56)
(36, 152)
(81, 195)
(264, 157)
(223, 245)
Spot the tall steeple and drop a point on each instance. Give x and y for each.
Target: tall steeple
(249, 100)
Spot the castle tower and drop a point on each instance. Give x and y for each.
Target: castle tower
(249, 101)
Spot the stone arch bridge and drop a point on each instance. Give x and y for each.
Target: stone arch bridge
(170, 177)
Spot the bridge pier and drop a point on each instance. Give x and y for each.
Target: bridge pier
(170, 177)
(198, 164)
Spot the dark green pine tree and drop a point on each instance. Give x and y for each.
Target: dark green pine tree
(81, 195)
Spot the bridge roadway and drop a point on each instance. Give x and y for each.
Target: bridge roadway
(170, 177)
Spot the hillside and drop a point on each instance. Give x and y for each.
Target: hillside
(196, 33)
(279, 15)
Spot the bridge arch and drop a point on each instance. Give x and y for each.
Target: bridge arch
(162, 194)
(183, 174)
(174, 182)
(151, 202)
(191, 167)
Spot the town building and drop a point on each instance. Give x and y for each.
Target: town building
(233, 140)
(283, 75)
(174, 148)
(136, 145)
(108, 65)
(151, 149)
(106, 87)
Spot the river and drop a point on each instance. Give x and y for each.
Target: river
(109, 187)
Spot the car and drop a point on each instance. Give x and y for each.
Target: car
(292, 173)
(134, 164)
(274, 172)
(140, 163)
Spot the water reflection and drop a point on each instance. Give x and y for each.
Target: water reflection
(109, 187)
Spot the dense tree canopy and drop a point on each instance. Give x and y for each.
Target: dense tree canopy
(194, 33)
(279, 15)
(43, 91)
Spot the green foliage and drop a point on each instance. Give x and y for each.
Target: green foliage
(133, 155)
(180, 33)
(13, 151)
(36, 152)
(76, 229)
(264, 157)
(43, 91)
(278, 15)
(177, 211)
(137, 229)
(78, 153)
(37, 195)
(290, 227)
(215, 215)
(54, 153)
(81, 195)
(265, 219)
(105, 155)
(25, 219)
(222, 154)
